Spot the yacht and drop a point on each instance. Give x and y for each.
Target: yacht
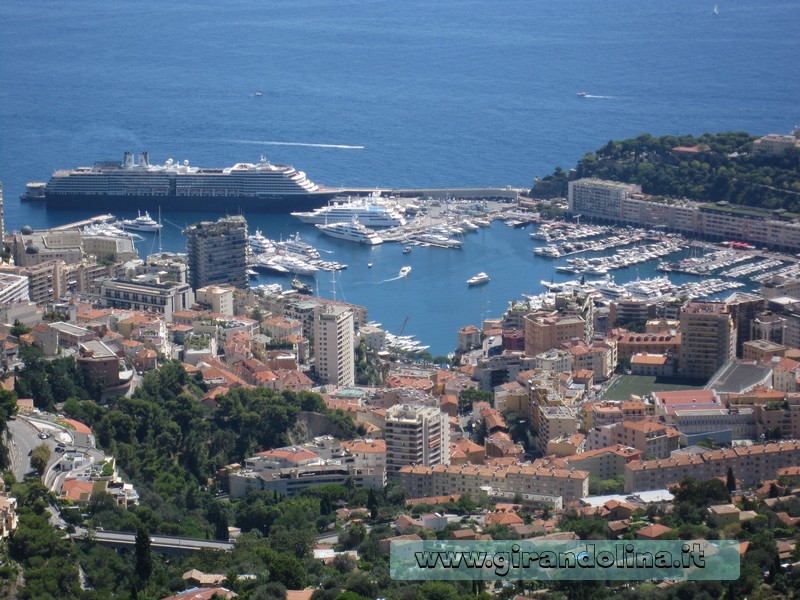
(371, 212)
(302, 288)
(258, 243)
(293, 264)
(404, 271)
(143, 222)
(582, 94)
(297, 246)
(407, 250)
(107, 230)
(352, 232)
(479, 279)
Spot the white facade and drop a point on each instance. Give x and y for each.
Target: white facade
(219, 299)
(416, 435)
(13, 288)
(333, 345)
(599, 198)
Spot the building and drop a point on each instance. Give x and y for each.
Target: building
(750, 465)
(650, 438)
(597, 198)
(165, 298)
(35, 247)
(416, 435)
(708, 339)
(469, 337)
(776, 144)
(695, 423)
(605, 463)
(217, 299)
(291, 480)
(333, 345)
(100, 364)
(544, 332)
(629, 343)
(744, 308)
(554, 422)
(762, 350)
(13, 288)
(539, 481)
(217, 252)
(659, 365)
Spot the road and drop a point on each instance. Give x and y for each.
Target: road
(23, 438)
(160, 542)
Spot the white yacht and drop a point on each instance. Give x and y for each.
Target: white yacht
(297, 246)
(283, 263)
(259, 244)
(371, 212)
(404, 271)
(352, 232)
(143, 222)
(479, 279)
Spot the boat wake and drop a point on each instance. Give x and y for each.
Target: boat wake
(392, 279)
(307, 145)
(600, 97)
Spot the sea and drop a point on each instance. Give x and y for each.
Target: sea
(373, 93)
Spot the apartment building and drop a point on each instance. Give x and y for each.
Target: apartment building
(624, 203)
(708, 339)
(217, 252)
(416, 435)
(629, 343)
(334, 350)
(598, 198)
(165, 298)
(218, 299)
(554, 422)
(541, 478)
(652, 439)
(750, 464)
(605, 463)
(545, 331)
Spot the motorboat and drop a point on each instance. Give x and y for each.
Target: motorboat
(143, 222)
(479, 279)
(352, 231)
(404, 271)
(302, 288)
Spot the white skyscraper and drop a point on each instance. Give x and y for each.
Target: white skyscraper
(333, 345)
(416, 435)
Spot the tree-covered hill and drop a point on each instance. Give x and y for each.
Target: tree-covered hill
(711, 167)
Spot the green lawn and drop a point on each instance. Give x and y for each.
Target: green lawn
(640, 385)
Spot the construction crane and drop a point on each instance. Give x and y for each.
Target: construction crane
(403, 327)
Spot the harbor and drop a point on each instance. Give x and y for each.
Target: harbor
(423, 268)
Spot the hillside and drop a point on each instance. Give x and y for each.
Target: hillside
(711, 167)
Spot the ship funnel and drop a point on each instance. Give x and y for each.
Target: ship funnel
(144, 159)
(127, 160)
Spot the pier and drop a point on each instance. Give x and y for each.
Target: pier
(86, 222)
(503, 194)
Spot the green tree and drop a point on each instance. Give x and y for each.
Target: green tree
(372, 504)
(144, 558)
(19, 329)
(40, 456)
(731, 480)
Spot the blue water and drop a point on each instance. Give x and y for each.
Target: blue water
(423, 94)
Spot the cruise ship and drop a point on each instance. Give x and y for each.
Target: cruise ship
(178, 186)
(370, 212)
(352, 232)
